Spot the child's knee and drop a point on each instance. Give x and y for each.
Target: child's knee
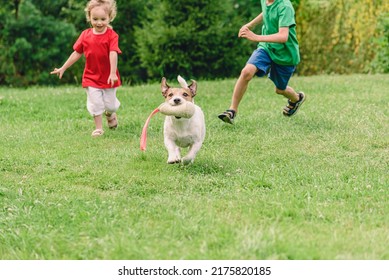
(247, 73)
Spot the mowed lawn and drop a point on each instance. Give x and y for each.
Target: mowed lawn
(315, 186)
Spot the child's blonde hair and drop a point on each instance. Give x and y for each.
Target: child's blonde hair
(108, 5)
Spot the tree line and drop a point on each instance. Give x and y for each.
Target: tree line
(194, 38)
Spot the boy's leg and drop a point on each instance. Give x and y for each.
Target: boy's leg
(258, 64)
(295, 100)
(241, 85)
(240, 88)
(289, 93)
(280, 75)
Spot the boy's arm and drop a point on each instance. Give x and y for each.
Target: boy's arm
(71, 60)
(280, 37)
(255, 21)
(113, 61)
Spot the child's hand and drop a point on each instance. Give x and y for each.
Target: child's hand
(113, 78)
(242, 30)
(245, 32)
(58, 71)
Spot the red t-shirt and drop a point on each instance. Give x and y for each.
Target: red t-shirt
(96, 48)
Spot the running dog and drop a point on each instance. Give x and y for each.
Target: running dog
(182, 132)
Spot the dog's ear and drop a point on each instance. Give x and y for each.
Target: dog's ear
(193, 87)
(164, 86)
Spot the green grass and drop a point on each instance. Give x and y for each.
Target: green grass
(314, 186)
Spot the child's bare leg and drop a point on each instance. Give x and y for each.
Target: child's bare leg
(98, 121)
(99, 126)
(241, 85)
(289, 93)
(240, 88)
(295, 100)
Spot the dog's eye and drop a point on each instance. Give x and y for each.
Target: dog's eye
(170, 94)
(185, 94)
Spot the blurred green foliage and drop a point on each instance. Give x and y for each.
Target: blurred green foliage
(343, 37)
(32, 44)
(380, 63)
(192, 38)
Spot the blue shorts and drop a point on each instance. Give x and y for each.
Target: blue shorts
(279, 74)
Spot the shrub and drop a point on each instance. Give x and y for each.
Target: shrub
(192, 38)
(339, 36)
(380, 64)
(35, 44)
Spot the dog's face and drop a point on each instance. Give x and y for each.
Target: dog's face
(176, 96)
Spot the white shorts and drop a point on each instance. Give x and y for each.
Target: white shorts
(100, 100)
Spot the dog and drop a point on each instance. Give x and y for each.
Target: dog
(182, 132)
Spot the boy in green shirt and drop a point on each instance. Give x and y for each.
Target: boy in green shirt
(277, 54)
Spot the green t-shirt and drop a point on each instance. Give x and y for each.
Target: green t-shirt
(280, 14)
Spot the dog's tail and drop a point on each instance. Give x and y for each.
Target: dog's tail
(182, 82)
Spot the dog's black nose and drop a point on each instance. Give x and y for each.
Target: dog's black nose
(177, 100)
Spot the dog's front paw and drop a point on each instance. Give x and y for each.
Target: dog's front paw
(173, 160)
(187, 160)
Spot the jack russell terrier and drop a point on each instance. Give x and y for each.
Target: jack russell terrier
(180, 132)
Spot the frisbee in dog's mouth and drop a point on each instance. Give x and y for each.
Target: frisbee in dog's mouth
(184, 110)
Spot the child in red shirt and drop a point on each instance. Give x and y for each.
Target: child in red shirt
(101, 77)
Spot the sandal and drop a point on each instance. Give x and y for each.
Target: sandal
(112, 120)
(291, 108)
(97, 132)
(227, 116)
